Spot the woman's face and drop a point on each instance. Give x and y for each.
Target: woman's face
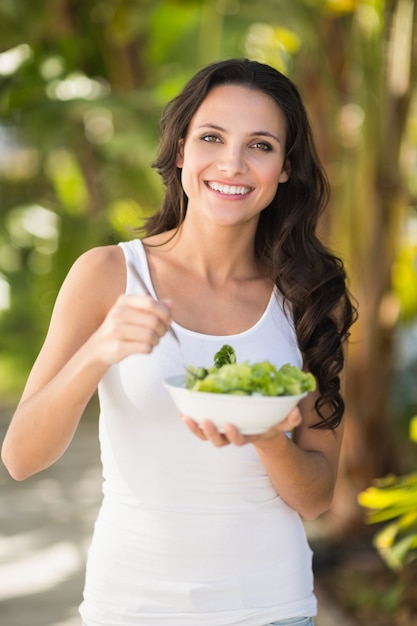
(233, 156)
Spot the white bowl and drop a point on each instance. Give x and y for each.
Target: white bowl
(250, 414)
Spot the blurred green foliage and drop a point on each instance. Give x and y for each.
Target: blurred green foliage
(82, 85)
(394, 498)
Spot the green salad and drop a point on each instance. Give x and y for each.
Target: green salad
(228, 376)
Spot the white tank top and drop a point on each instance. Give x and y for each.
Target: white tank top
(189, 534)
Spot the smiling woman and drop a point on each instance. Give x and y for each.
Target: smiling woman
(199, 525)
(225, 157)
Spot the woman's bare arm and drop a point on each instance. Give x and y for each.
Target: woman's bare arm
(93, 325)
(303, 469)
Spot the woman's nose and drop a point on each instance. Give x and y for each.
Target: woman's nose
(232, 161)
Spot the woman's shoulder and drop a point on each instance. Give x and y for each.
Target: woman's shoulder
(99, 273)
(100, 261)
(101, 256)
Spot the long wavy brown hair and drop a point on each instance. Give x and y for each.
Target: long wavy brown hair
(311, 278)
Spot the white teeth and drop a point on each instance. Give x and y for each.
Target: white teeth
(231, 190)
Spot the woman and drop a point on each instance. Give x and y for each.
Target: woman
(191, 533)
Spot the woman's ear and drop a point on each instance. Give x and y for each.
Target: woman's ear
(179, 161)
(285, 173)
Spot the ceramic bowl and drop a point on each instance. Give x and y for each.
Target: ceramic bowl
(250, 414)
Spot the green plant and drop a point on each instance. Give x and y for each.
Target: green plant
(394, 498)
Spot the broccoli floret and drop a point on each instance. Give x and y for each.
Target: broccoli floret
(225, 355)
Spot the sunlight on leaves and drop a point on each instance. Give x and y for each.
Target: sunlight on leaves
(413, 429)
(369, 19)
(394, 498)
(98, 125)
(52, 67)
(27, 223)
(404, 271)
(341, 6)
(272, 45)
(11, 60)
(4, 293)
(68, 181)
(401, 43)
(77, 85)
(126, 215)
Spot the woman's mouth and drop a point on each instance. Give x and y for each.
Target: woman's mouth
(229, 190)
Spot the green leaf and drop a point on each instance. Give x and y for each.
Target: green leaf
(381, 498)
(396, 555)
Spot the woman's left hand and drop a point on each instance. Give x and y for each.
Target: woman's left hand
(302, 468)
(208, 432)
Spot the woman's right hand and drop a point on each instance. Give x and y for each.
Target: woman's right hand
(134, 324)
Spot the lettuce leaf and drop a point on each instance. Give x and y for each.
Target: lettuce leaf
(228, 376)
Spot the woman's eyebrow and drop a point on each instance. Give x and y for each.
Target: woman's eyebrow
(266, 133)
(213, 126)
(257, 133)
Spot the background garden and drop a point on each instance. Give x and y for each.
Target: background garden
(82, 85)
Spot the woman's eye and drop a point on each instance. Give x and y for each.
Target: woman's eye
(262, 145)
(211, 138)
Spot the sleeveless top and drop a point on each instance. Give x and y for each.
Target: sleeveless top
(189, 534)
